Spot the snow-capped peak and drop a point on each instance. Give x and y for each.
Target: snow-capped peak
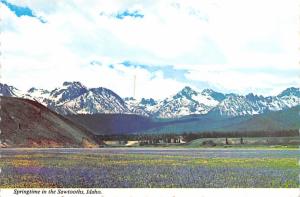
(39, 95)
(69, 91)
(215, 95)
(186, 102)
(253, 97)
(186, 92)
(149, 101)
(34, 90)
(74, 97)
(31, 90)
(6, 90)
(73, 84)
(207, 91)
(237, 105)
(290, 92)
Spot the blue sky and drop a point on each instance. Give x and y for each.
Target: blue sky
(127, 13)
(20, 11)
(230, 46)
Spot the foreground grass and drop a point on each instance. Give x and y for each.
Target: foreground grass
(139, 170)
(89, 160)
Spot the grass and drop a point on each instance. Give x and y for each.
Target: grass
(270, 143)
(145, 170)
(251, 142)
(90, 160)
(198, 146)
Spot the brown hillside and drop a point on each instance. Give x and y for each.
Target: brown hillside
(26, 123)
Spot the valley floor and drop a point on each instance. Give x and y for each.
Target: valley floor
(149, 167)
(233, 142)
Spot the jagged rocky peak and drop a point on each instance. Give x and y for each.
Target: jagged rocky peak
(73, 83)
(208, 91)
(6, 90)
(34, 90)
(107, 93)
(73, 97)
(290, 92)
(215, 95)
(129, 99)
(187, 92)
(69, 91)
(101, 90)
(149, 101)
(31, 90)
(232, 96)
(253, 97)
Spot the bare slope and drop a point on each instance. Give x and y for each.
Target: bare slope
(26, 123)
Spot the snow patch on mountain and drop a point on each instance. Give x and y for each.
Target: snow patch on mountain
(75, 98)
(236, 105)
(6, 90)
(186, 102)
(144, 107)
(39, 95)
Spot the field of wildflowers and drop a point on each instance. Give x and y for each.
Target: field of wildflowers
(110, 169)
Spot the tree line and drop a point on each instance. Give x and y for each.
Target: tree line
(189, 136)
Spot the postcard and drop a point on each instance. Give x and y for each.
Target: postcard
(149, 98)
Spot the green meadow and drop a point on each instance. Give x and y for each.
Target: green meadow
(150, 167)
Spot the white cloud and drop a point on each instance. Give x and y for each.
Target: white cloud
(217, 41)
(243, 82)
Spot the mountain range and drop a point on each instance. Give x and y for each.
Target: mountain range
(75, 98)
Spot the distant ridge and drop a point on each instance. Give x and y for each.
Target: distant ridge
(278, 122)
